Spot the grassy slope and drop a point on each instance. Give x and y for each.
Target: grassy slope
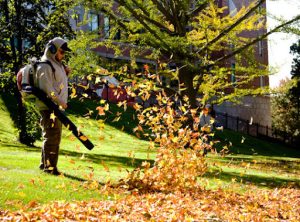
(271, 165)
(22, 182)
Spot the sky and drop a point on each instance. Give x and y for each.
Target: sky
(279, 43)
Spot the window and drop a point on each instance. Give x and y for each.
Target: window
(106, 27)
(260, 48)
(262, 81)
(26, 44)
(118, 35)
(78, 18)
(232, 8)
(233, 79)
(193, 4)
(93, 21)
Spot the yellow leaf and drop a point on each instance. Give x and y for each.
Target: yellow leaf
(106, 107)
(61, 86)
(175, 139)
(52, 116)
(22, 194)
(116, 119)
(73, 94)
(183, 109)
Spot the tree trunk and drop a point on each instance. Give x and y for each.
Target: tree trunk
(186, 86)
(18, 34)
(11, 39)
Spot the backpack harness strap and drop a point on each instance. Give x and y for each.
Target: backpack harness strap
(31, 81)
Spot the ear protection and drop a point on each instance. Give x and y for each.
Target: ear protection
(52, 48)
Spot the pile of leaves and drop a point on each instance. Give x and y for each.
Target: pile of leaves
(194, 205)
(179, 161)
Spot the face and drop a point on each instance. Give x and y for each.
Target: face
(59, 56)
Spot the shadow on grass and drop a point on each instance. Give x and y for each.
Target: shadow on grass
(112, 160)
(10, 101)
(96, 158)
(79, 179)
(261, 160)
(260, 181)
(242, 144)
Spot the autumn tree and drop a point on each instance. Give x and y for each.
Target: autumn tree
(286, 101)
(285, 119)
(197, 36)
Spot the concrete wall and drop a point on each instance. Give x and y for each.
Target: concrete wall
(256, 108)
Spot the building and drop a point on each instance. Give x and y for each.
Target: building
(255, 109)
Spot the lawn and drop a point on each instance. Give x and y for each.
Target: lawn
(21, 181)
(251, 164)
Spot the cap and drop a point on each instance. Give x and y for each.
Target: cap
(65, 47)
(207, 106)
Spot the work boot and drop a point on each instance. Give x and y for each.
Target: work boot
(54, 172)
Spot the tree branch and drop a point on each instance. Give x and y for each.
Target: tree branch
(165, 12)
(146, 16)
(136, 16)
(237, 51)
(230, 28)
(197, 10)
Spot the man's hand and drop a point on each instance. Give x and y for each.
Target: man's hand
(206, 129)
(67, 70)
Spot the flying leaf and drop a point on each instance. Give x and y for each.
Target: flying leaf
(52, 116)
(101, 110)
(83, 138)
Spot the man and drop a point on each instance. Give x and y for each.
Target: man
(53, 80)
(206, 126)
(206, 121)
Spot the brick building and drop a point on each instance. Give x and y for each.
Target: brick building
(256, 109)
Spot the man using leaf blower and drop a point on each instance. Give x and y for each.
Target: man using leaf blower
(47, 81)
(51, 77)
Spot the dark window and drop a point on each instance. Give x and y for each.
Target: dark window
(106, 27)
(93, 21)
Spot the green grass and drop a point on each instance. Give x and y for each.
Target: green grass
(22, 182)
(252, 164)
